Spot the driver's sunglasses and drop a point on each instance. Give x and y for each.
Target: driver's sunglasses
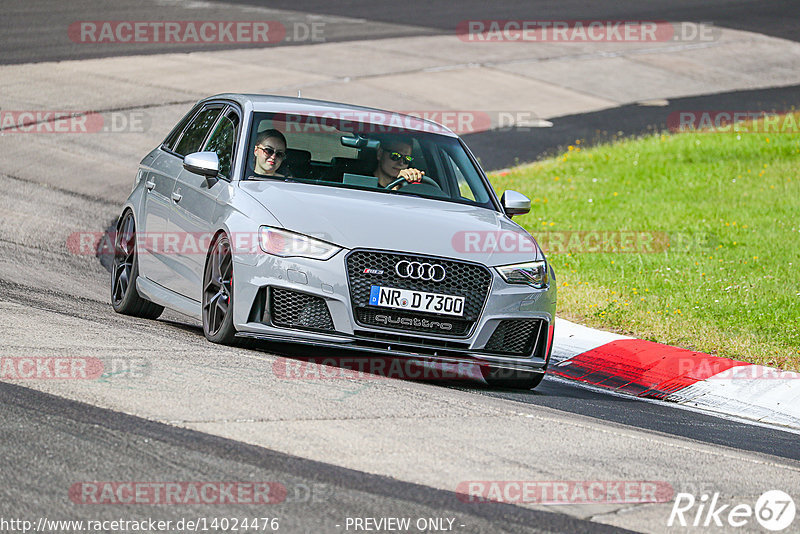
(397, 156)
(269, 151)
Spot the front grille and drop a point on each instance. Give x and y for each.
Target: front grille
(298, 310)
(515, 336)
(464, 279)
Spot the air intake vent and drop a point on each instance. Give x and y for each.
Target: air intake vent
(297, 310)
(515, 336)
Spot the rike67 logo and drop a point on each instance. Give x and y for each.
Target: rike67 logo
(774, 510)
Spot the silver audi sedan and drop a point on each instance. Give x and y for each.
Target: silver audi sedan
(330, 225)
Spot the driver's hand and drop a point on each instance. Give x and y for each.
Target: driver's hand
(411, 175)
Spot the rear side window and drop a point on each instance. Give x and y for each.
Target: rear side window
(172, 138)
(196, 132)
(222, 142)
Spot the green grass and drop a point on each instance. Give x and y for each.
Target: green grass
(729, 206)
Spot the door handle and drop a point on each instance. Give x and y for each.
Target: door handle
(150, 185)
(176, 197)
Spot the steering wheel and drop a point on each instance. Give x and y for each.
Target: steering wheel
(402, 183)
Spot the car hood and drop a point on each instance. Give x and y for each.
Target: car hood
(365, 219)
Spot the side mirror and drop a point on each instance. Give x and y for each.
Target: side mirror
(203, 163)
(515, 203)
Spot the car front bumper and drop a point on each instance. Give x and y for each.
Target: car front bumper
(258, 276)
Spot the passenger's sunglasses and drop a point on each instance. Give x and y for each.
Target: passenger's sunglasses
(397, 156)
(269, 151)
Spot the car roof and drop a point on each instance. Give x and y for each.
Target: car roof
(305, 106)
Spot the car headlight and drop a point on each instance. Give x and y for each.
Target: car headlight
(289, 244)
(534, 273)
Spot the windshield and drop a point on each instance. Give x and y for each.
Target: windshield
(374, 156)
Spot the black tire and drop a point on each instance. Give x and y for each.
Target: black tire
(511, 378)
(218, 293)
(125, 299)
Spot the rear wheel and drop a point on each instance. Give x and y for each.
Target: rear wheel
(125, 298)
(511, 378)
(218, 293)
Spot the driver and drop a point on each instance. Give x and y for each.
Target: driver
(394, 160)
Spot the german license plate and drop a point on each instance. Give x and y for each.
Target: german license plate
(407, 299)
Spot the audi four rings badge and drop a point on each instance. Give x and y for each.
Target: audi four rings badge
(420, 271)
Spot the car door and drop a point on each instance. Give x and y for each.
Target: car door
(159, 178)
(170, 166)
(196, 206)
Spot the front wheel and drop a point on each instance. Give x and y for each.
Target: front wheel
(124, 271)
(512, 378)
(218, 293)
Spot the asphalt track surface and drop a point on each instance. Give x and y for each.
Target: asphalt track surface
(49, 442)
(33, 31)
(568, 396)
(762, 17)
(319, 496)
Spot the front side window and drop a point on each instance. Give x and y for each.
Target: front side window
(222, 142)
(194, 134)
